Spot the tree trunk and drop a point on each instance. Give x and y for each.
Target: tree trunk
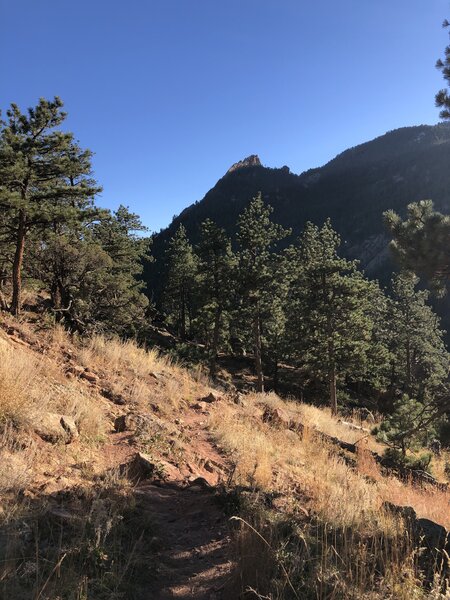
(333, 393)
(257, 350)
(331, 365)
(16, 303)
(275, 376)
(408, 366)
(215, 343)
(183, 315)
(3, 302)
(56, 295)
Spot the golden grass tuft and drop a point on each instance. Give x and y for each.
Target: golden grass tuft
(30, 387)
(20, 378)
(115, 355)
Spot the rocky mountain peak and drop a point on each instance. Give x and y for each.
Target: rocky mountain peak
(250, 161)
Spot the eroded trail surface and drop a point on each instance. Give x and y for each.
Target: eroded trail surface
(195, 555)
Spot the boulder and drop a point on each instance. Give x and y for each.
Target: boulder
(56, 428)
(136, 422)
(145, 466)
(76, 370)
(69, 426)
(212, 397)
(200, 482)
(199, 406)
(433, 535)
(433, 540)
(276, 416)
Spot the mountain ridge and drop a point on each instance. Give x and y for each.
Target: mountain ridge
(353, 189)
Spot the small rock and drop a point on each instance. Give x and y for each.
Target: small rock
(212, 397)
(113, 396)
(208, 466)
(199, 405)
(55, 428)
(69, 426)
(90, 376)
(144, 466)
(200, 482)
(76, 370)
(136, 422)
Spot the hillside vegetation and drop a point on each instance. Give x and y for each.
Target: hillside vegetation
(79, 515)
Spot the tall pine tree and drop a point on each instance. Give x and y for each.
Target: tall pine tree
(421, 242)
(180, 283)
(45, 178)
(335, 328)
(257, 237)
(216, 273)
(420, 362)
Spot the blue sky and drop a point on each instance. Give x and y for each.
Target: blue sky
(169, 94)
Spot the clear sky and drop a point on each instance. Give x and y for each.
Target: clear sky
(169, 93)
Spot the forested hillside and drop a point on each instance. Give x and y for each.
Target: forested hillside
(353, 190)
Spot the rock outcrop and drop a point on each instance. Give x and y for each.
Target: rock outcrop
(250, 161)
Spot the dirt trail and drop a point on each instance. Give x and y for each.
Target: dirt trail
(195, 560)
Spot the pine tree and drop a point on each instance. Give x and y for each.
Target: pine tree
(443, 97)
(335, 325)
(257, 237)
(180, 285)
(404, 428)
(275, 317)
(123, 303)
(45, 178)
(420, 361)
(216, 265)
(93, 273)
(422, 242)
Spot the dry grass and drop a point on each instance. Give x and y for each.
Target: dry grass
(279, 459)
(117, 356)
(142, 376)
(428, 502)
(440, 466)
(348, 539)
(17, 463)
(31, 386)
(20, 380)
(322, 420)
(272, 458)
